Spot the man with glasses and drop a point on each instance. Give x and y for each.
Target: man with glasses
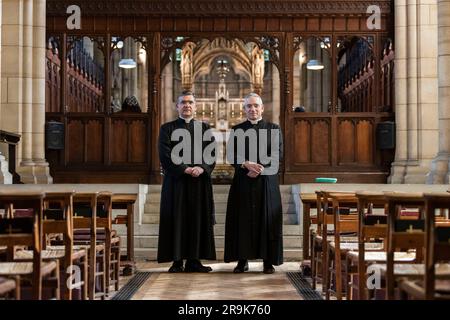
(187, 208)
(253, 228)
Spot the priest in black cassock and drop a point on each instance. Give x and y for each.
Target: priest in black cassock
(187, 208)
(253, 228)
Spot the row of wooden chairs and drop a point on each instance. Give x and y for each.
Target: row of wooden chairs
(361, 238)
(87, 254)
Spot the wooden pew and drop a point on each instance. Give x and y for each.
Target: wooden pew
(435, 283)
(26, 232)
(309, 201)
(88, 220)
(343, 224)
(369, 229)
(9, 287)
(319, 242)
(126, 201)
(58, 219)
(413, 238)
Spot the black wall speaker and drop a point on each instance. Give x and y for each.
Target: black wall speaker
(54, 135)
(386, 135)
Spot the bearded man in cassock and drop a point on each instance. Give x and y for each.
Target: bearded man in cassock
(186, 229)
(253, 228)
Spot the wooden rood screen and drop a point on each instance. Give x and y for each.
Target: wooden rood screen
(335, 136)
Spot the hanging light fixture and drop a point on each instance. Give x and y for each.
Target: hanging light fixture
(127, 64)
(314, 65)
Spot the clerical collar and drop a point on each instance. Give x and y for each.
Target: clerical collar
(187, 120)
(255, 121)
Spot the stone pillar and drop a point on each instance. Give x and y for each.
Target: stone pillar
(41, 167)
(23, 84)
(5, 176)
(11, 68)
(416, 89)
(275, 95)
(168, 111)
(440, 165)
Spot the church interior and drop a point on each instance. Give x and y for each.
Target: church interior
(359, 89)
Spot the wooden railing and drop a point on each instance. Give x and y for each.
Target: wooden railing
(84, 91)
(357, 92)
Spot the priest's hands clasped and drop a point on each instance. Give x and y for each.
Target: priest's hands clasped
(254, 169)
(194, 171)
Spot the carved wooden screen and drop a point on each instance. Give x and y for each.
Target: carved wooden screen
(334, 141)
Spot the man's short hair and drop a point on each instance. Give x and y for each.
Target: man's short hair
(252, 95)
(184, 94)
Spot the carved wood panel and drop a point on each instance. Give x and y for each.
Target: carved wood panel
(320, 142)
(138, 139)
(119, 141)
(346, 142)
(350, 136)
(75, 134)
(94, 141)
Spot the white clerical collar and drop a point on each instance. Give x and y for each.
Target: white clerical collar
(187, 120)
(255, 121)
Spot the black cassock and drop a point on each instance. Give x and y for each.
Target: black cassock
(253, 228)
(186, 229)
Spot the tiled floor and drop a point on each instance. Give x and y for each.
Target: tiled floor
(220, 284)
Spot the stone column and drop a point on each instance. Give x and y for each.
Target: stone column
(168, 111)
(275, 95)
(416, 89)
(11, 68)
(41, 167)
(5, 176)
(23, 84)
(440, 165)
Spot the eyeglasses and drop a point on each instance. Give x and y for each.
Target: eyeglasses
(187, 102)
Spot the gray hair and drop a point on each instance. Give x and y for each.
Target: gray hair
(253, 95)
(185, 94)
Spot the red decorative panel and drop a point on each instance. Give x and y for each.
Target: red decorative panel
(346, 144)
(302, 142)
(320, 142)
